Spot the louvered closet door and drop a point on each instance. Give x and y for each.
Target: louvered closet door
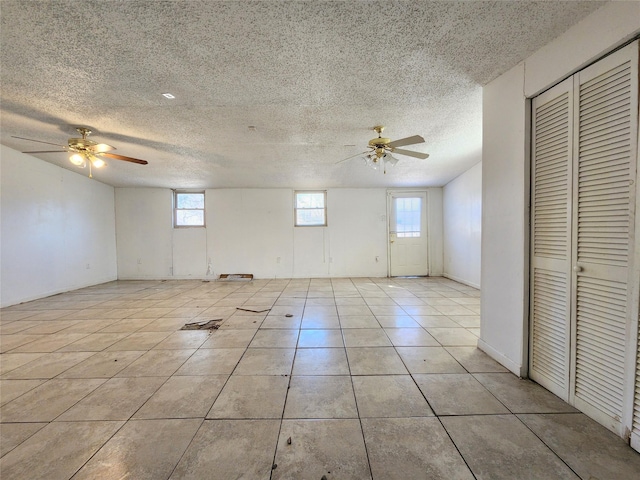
(606, 128)
(550, 302)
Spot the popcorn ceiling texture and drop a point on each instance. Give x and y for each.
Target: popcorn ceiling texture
(313, 77)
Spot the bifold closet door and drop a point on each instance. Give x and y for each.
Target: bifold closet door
(605, 143)
(552, 118)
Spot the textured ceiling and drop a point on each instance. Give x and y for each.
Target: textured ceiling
(312, 77)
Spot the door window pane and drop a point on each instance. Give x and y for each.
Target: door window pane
(408, 217)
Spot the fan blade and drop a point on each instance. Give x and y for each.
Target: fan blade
(101, 148)
(349, 158)
(409, 153)
(39, 141)
(406, 141)
(49, 151)
(122, 157)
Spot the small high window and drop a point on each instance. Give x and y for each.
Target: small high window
(188, 209)
(310, 209)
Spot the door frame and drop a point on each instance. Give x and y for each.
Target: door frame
(390, 193)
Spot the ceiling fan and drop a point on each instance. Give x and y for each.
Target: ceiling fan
(86, 152)
(380, 150)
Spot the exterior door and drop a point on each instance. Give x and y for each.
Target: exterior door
(408, 242)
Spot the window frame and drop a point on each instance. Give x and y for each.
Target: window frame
(295, 208)
(176, 209)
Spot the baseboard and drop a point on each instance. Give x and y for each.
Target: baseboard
(461, 280)
(506, 362)
(57, 291)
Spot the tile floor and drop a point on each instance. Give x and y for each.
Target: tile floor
(340, 379)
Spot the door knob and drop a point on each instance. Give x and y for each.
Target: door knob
(577, 268)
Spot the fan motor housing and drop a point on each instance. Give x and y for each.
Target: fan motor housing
(379, 142)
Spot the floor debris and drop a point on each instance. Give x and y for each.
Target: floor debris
(206, 325)
(252, 310)
(235, 277)
(288, 315)
(289, 441)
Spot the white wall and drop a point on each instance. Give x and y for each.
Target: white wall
(251, 231)
(56, 232)
(462, 215)
(505, 172)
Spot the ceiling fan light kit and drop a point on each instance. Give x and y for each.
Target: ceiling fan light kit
(86, 152)
(380, 149)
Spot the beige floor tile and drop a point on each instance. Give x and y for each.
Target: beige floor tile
(435, 321)
(475, 360)
(501, 447)
(429, 360)
(48, 365)
(371, 301)
(11, 361)
(252, 396)
(321, 361)
(183, 397)
(354, 310)
(157, 363)
(13, 434)
(266, 361)
(215, 361)
(47, 327)
(366, 337)
(375, 361)
(279, 310)
(139, 341)
(320, 322)
(275, 339)
(397, 321)
(12, 389)
(56, 451)
(389, 396)
(320, 338)
(388, 310)
(349, 300)
(143, 449)
(10, 342)
(331, 448)
(587, 447)
(47, 401)
(421, 310)
(521, 395)
(49, 343)
(457, 394)
(229, 338)
(412, 449)
(94, 342)
(410, 337)
(321, 397)
(224, 449)
(116, 399)
(453, 337)
(102, 365)
(321, 301)
(183, 340)
(467, 321)
(359, 321)
(127, 325)
(282, 322)
(238, 322)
